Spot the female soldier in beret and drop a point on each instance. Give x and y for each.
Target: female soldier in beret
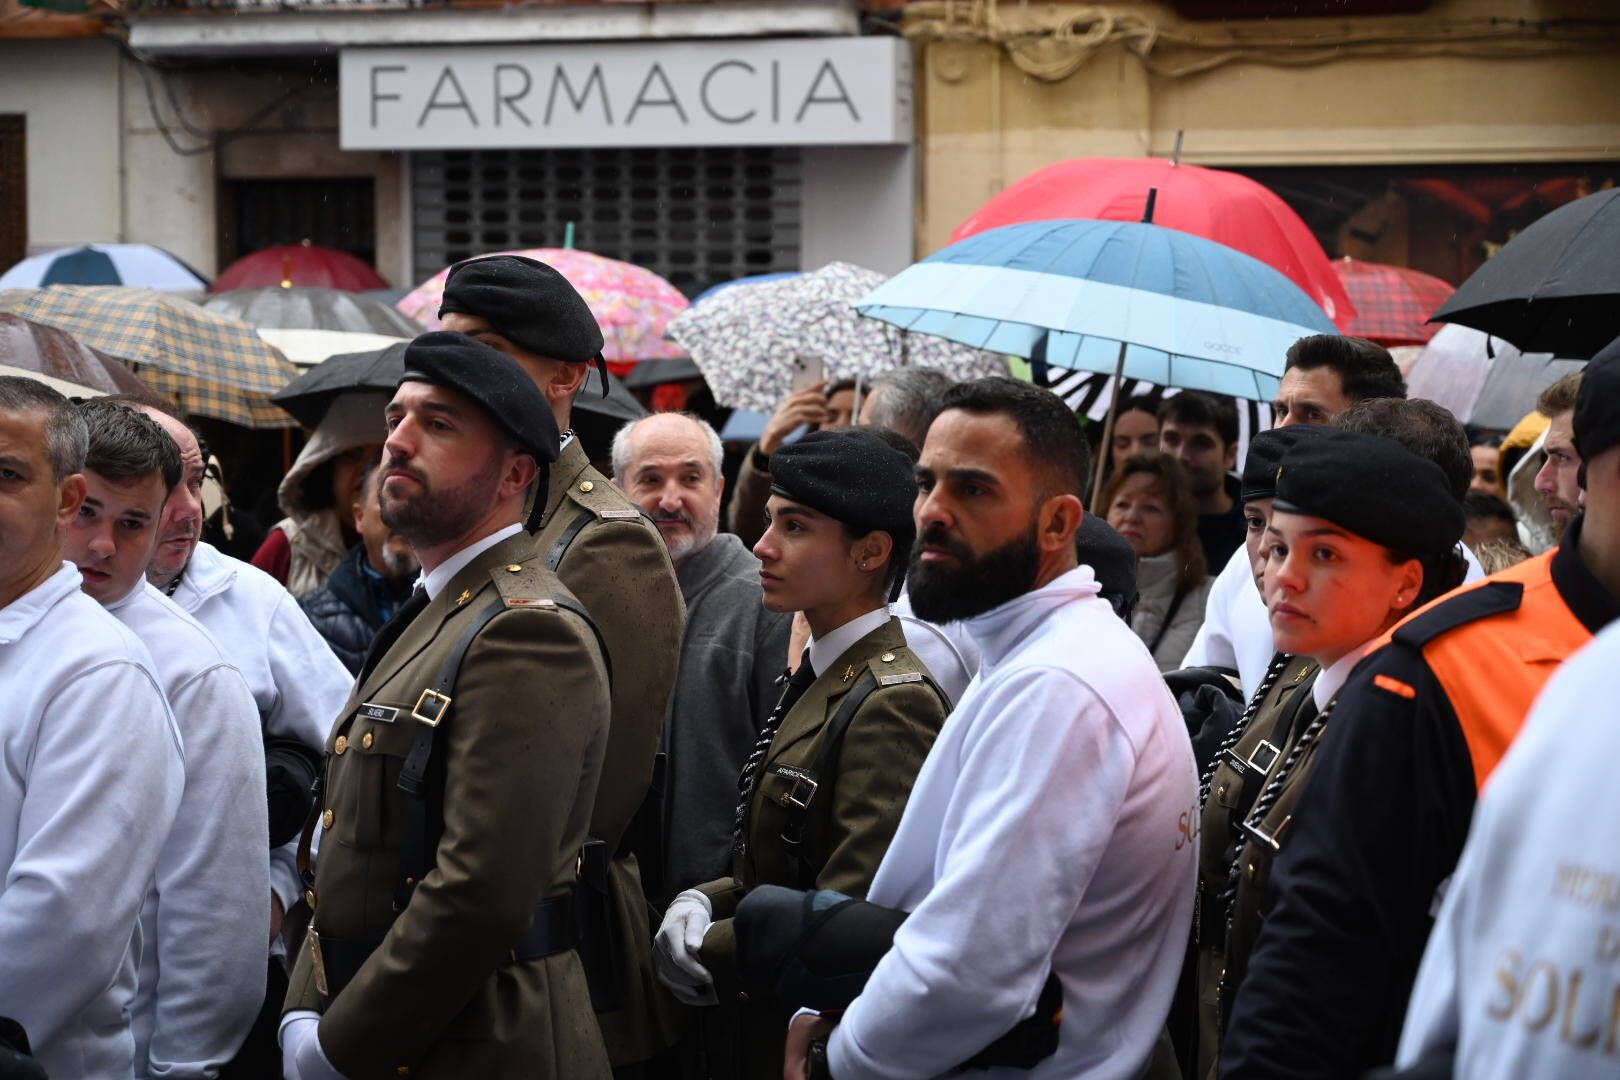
(823, 791)
(1361, 532)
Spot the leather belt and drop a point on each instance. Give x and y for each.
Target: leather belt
(553, 931)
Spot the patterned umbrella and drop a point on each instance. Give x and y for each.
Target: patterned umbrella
(1393, 303)
(50, 355)
(745, 338)
(213, 365)
(105, 264)
(632, 305)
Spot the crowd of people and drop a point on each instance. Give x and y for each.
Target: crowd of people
(498, 762)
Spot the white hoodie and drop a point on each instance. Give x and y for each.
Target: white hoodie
(1048, 830)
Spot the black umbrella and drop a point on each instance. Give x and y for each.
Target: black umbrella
(1554, 288)
(657, 372)
(596, 418)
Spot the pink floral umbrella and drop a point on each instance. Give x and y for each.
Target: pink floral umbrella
(631, 304)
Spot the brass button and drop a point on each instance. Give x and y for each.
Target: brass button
(1252, 872)
(326, 820)
(409, 882)
(514, 568)
(341, 745)
(367, 739)
(309, 898)
(742, 995)
(1220, 792)
(586, 486)
(887, 658)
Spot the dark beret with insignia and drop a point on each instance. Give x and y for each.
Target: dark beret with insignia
(1266, 452)
(1597, 404)
(1374, 488)
(493, 381)
(526, 302)
(853, 477)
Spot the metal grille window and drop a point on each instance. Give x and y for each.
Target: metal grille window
(696, 215)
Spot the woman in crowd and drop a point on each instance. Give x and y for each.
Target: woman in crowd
(1136, 431)
(1360, 532)
(1149, 504)
(822, 793)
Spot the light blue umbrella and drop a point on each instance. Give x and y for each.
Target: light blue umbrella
(105, 264)
(1135, 300)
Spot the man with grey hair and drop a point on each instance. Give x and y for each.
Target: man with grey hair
(732, 649)
(91, 766)
(905, 400)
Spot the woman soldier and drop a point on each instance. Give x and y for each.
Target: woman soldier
(822, 793)
(1361, 532)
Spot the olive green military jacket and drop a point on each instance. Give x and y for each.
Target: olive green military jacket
(853, 813)
(521, 744)
(616, 563)
(1225, 934)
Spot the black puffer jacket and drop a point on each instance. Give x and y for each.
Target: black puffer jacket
(347, 609)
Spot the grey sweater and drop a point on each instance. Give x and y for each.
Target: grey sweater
(731, 653)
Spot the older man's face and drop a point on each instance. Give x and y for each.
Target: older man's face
(34, 506)
(181, 525)
(670, 474)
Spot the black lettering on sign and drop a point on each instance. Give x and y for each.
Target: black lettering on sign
(447, 77)
(840, 98)
(511, 100)
(376, 93)
(559, 78)
(708, 106)
(669, 100)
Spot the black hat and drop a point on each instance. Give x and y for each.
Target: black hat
(1597, 404)
(526, 302)
(1266, 451)
(853, 477)
(1373, 487)
(491, 379)
(1112, 561)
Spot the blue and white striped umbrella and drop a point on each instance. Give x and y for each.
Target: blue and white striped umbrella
(140, 265)
(1190, 313)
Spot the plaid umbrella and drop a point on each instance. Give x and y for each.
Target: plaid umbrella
(1393, 303)
(745, 338)
(213, 365)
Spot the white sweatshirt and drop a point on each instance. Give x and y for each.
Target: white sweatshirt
(1045, 832)
(206, 919)
(91, 774)
(1520, 975)
(296, 680)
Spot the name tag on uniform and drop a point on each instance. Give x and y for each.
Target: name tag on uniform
(383, 714)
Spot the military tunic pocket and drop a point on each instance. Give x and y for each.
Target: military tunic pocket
(371, 810)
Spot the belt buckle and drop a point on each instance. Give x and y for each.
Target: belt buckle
(1265, 756)
(430, 708)
(319, 961)
(793, 798)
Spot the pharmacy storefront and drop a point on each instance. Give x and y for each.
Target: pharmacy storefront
(701, 160)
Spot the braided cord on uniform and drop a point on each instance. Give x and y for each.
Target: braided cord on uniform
(1278, 663)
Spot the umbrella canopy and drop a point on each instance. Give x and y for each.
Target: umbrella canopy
(633, 306)
(306, 348)
(745, 339)
(212, 364)
(303, 307)
(1393, 303)
(1483, 380)
(56, 357)
(1222, 206)
(1554, 288)
(752, 279)
(1124, 298)
(105, 264)
(299, 264)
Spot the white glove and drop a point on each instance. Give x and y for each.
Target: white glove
(676, 949)
(301, 1054)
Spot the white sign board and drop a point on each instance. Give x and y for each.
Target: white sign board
(739, 92)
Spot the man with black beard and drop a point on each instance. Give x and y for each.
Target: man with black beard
(1045, 835)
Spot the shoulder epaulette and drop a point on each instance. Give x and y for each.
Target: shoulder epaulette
(1493, 598)
(523, 585)
(604, 500)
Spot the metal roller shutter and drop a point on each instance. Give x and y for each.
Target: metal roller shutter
(696, 215)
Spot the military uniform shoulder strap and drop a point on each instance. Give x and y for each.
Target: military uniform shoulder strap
(521, 585)
(1492, 598)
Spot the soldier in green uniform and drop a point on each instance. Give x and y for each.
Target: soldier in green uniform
(607, 552)
(822, 793)
(461, 773)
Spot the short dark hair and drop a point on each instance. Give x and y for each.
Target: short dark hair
(1213, 410)
(911, 399)
(1365, 368)
(1423, 427)
(1138, 403)
(65, 436)
(1483, 506)
(1050, 429)
(839, 386)
(126, 446)
(1560, 396)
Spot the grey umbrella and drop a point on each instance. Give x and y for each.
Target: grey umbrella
(302, 307)
(1483, 380)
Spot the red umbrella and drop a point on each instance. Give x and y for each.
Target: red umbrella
(1221, 206)
(1393, 303)
(299, 264)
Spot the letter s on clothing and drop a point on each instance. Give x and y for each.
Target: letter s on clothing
(1507, 967)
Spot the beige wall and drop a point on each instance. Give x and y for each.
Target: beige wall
(69, 92)
(984, 123)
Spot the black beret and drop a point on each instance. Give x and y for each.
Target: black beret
(1112, 561)
(1266, 451)
(526, 302)
(491, 379)
(1597, 404)
(1374, 488)
(853, 477)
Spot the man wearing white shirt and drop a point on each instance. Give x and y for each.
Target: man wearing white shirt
(91, 767)
(204, 921)
(1042, 834)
